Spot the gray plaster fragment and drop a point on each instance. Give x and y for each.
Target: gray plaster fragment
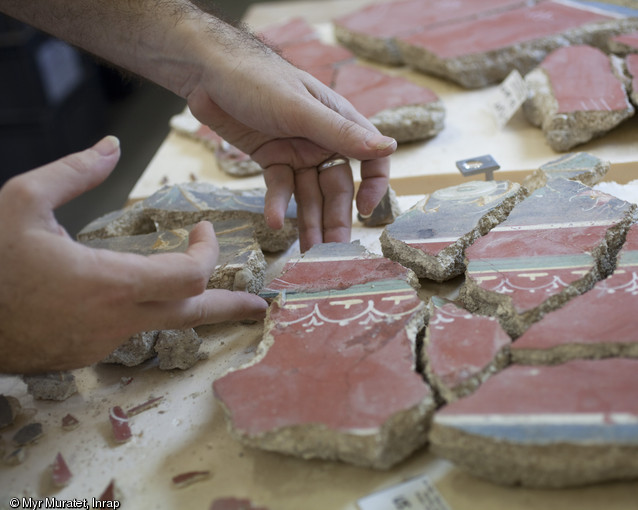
(135, 351)
(51, 385)
(578, 166)
(178, 349)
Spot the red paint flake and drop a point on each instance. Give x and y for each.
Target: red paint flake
(190, 477)
(153, 402)
(110, 493)
(60, 472)
(70, 422)
(125, 381)
(119, 423)
(234, 504)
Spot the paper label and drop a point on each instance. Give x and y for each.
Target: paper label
(415, 494)
(508, 98)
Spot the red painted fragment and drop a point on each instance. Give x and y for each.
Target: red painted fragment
(189, 478)
(60, 472)
(502, 30)
(70, 422)
(149, 404)
(582, 80)
(119, 423)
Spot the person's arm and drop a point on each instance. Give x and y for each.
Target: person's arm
(288, 121)
(64, 305)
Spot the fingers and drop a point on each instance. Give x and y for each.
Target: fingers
(309, 208)
(211, 307)
(337, 188)
(280, 185)
(72, 175)
(374, 183)
(333, 122)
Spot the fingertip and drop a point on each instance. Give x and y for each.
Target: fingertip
(107, 146)
(383, 145)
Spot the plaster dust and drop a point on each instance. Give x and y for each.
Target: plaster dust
(187, 432)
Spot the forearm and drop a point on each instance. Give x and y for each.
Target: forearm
(165, 41)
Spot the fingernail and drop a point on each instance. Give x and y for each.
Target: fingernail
(386, 144)
(365, 216)
(107, 145)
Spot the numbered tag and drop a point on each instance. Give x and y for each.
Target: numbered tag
(508, 98)
(415, 494)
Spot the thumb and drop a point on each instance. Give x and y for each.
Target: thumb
(61, 181)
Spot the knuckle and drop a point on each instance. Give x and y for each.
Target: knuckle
(22, 188)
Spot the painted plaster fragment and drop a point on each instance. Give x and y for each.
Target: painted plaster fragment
(577, 166)
(70, 422)
(480, 52)
(597, 324)
(461, 350)
(130, 220)
(178, 348)
(145, 406)
(334, 266)
(290, 32)
(553, 246)
(546, 426)
(111, 493)
(576, 94)
(396, 106)
(624, 43)
(182, 205)
(186, 204)
(344, 362)
(432, 236)
(185, 479)
(51, 385)
(60, 473)
(371, 31)
(119, 425)
(9, 409)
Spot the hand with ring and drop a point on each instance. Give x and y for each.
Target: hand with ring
(302, 133)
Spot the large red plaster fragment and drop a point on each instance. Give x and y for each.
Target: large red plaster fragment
(397, 107)
(335, 375)
(370, 32)
(576, 94)
(461, 350)
(479, 52)
(546, 426)
(597, 324)
(553, 246)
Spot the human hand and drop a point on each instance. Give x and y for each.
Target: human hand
(64, 305)
(290, 123)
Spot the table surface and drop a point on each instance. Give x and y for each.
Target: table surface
(187, 431)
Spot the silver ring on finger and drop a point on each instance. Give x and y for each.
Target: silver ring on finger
(332, 162)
